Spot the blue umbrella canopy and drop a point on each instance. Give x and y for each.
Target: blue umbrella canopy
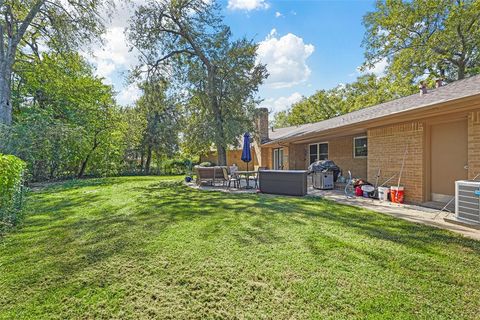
(246, 153)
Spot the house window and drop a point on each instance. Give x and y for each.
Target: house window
(318, 151)
(360, 147)
(278, 159)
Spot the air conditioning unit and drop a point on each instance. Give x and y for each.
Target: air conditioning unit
(323, 180)
(467, 201)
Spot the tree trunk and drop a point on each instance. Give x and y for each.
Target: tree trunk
(220, 140)
(83, 166)
(149, 160)
(461, 71)
(81, 172)
(9, 41)
(5, 94)
(219, 134)
(142, 157)
(221, 155)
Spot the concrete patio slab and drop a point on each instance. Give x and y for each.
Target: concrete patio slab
(413, 213)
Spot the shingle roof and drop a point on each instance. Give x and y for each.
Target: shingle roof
(453, 91)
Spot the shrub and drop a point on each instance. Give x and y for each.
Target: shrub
(12, 171)
(206, 164)
(177, 166)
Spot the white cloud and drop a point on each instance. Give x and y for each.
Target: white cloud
(281, 103)
(286, 59)
(113, 59)
(128, 95)
(247, 5)
(115, 52)
(378, 68)
(105, 69)
(278, 14)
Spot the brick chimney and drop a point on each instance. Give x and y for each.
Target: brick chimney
(261, 124)
(438, 82)
(423, 88)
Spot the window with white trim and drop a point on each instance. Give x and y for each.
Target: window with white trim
(360, 147)
(318, 151)
(278, 159)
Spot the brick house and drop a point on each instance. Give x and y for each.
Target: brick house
(439, 130)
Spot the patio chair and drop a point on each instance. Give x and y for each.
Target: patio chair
(229, 178)
(210, 175)
(204, 175)
(255, 177)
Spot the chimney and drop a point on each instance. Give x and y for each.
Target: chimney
(423, 88)
(261, 124)
(438, 83)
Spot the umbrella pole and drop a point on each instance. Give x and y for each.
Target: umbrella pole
(247, 178)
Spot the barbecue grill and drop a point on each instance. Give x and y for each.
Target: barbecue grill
(324, 174)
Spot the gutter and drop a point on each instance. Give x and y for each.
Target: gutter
(420, 109)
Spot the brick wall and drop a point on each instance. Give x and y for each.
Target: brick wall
(386, 148)
(340, 150)
(266, 158)
(297, 157)
(261, 124)
(233, 156)
(473, 144)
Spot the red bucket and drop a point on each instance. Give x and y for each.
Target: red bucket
(397, 194)
(358, 191)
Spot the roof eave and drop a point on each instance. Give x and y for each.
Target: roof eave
(392, 116)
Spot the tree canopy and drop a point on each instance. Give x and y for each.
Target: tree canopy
(418, 39)
(60, 25)
(436, 38)
(199, 82)
(366, 91)
(68, 122)
(186, 42)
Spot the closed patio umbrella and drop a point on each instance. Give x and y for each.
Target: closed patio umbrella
(246, 153)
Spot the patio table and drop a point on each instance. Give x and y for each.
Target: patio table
(246, 175)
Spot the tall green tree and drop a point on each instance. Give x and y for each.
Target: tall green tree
(162, 114)
(68, 124)
(188, 38)
(26, 24)
(367, 90)
(438, 38)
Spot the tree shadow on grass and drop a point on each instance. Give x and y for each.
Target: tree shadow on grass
(332, 231)
(74, 184)
(252, 216)
(187, 202)
(66, 242)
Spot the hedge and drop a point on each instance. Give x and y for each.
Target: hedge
(11, 190)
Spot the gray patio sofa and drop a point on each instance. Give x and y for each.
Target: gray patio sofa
(210, 175)
(285, 182)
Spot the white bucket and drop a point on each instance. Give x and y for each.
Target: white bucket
(383, 193)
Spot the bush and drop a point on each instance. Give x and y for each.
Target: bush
(206, 164)
(177, 166)
(12, 171)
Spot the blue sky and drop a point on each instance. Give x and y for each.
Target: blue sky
(307, 45)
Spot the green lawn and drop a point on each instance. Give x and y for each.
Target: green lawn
(149, 247)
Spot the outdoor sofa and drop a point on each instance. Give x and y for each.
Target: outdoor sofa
(210, 175)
